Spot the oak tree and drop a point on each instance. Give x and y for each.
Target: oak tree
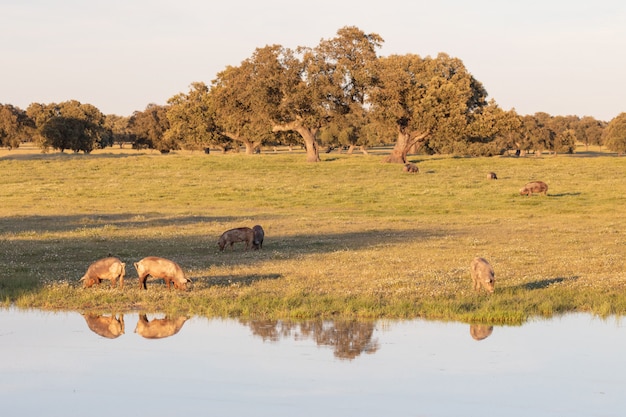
(424, 100)
(615, 134)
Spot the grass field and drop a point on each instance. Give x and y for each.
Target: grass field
(349, 237)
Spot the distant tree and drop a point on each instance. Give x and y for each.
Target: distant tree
(15, 126)
(69, 125)
(493, 131)
(589, 131)
(234, 104)
(148, 128)
(424, 100)
(536, 134)
(564, 142)
(615, 134)
(118, 126)
(192, 120)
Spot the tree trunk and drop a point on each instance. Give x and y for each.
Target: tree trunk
(308, 134)
(404, 143)
(364, 150)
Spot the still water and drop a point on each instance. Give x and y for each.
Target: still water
(68, 364)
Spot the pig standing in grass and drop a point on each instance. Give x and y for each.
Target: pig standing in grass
(259, 235)
(482, 274)
(492, 176)
(110, 268)
(410, 167)
(232, 236)
(535, 187)
(157, 268)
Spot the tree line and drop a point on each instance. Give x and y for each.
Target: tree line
(340, 93)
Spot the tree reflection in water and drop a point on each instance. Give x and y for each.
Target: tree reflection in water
(348, 338)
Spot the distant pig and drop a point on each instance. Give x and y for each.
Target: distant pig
(259, 235)
(492, 176)
(157, 268)
(482, 274)
(110, 268)
(410, 167)
(232, 236)
(535, 187)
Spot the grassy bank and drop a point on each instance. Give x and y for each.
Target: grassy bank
(350, 236)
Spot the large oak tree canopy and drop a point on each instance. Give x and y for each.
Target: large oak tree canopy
(302, 90)
(424, 99)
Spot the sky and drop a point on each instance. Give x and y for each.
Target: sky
(562, 57)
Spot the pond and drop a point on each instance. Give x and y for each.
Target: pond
(68, 364)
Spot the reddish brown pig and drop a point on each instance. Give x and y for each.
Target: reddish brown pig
(232, 236)
(159, 328)
(105, 326)
(482, 274)
(259, 235)
(110, 268)
(492, 176)
(535, 187)
(157, 268)
(410, 167)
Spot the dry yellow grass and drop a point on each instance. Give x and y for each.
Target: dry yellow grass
(350, 236)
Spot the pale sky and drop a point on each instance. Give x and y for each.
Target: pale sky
(562, 57)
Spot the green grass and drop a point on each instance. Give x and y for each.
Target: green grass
(349, 237)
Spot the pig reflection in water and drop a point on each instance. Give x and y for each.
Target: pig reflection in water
(105, 326)
(159, 328)
(480, 331)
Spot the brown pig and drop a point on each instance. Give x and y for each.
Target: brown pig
(232, 236)
(105, 326)
(492, 176)
(110, 268)
(157, 268)
(159, 328)
(535, 187)
(410, 167)
(259, 235)
(482, 274)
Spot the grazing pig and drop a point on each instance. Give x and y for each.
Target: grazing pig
(161, 268)
(240, 234)
(482, 274)
(105, 326)
(259, 235)
(159, 328)
(538, 187)
(110, 268)
(410, 167)
(492, 176)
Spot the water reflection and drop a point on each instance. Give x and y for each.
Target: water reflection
(567, 365)
(159, 328)
(347, 338)
(480, 331)
(110, 327)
